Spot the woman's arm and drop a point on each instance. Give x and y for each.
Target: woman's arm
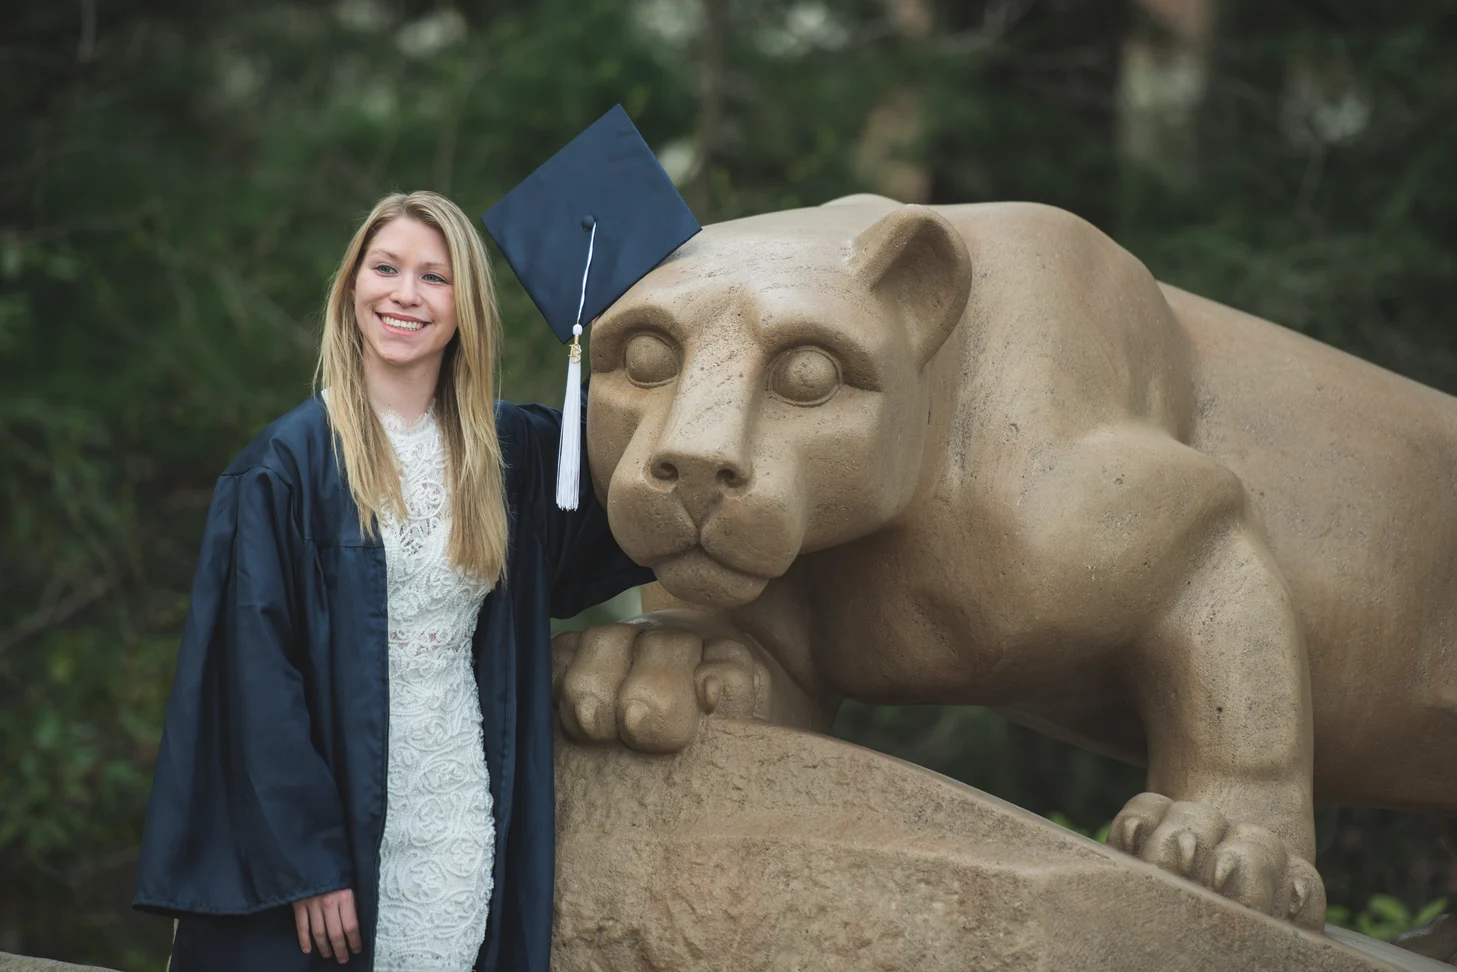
(589, 566)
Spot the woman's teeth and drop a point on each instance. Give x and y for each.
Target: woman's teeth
(402, 324)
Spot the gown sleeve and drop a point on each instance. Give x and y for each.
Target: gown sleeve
(244, 814)
(588, 566)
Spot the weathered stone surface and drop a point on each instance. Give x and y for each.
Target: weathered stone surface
(24, 963)
(766, 848)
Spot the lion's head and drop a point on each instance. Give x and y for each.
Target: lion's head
(761, 394)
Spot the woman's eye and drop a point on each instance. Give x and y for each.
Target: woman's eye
(805, 376)
(384, 268)
(437, 278)
(650, 360)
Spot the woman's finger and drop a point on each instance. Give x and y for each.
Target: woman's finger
(316, 927)
(350, 921)
(301, 925)
(335, 927)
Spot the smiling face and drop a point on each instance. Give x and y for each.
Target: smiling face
(404, 297)
(761, 394)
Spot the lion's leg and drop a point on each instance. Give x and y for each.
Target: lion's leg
(1157, 564)
(1224, 690)
(1439, 939)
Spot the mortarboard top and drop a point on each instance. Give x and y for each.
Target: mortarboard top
(592, 221)
(606, 178)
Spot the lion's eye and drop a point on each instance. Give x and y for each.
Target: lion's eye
(805, 376)
(650, 360)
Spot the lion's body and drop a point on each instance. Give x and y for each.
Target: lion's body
(977, 454)
(1349, 471)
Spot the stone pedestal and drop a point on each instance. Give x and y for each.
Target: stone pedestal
(764, 848)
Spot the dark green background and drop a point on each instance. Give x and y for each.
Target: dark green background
(178, 178)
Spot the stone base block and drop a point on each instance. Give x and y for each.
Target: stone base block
(763, 848)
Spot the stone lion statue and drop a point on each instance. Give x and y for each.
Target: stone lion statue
(978, 454)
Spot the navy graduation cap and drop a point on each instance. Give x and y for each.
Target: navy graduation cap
(592, 221)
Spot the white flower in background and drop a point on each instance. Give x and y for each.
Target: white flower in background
(365, 16)
(239, 78)
(673, 22)
(1163, 86)
(431, 34)
(679, 158)
(1323, 104)
(817, 26)
(1342, 119)
(807, 26)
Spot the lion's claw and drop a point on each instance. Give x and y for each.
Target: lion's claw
(1243, 862)
(1188, 844)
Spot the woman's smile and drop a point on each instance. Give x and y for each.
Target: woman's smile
(395, 322)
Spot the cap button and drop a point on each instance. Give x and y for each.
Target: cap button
(588, 222)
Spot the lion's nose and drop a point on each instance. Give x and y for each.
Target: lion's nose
(728, 474)
(699, 481)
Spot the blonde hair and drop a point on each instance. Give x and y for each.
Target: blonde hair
(464, 396)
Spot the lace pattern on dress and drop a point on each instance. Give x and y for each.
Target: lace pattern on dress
(436, 859)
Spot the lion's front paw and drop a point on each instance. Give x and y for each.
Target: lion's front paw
(649, 683)
(1244, 862)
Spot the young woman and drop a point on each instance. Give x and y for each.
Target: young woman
(356, 765)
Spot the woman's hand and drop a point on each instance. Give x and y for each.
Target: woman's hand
(328, 920)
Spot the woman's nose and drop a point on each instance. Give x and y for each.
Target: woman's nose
(406, 292)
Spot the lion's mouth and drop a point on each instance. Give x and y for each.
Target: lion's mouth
(699, 577)
(702, 547)
(691, 569)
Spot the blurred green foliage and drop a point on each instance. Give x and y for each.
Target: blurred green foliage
(178, 178)
(1062, 820)
(1385, 917)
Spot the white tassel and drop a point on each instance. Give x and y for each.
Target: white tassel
(569, 462)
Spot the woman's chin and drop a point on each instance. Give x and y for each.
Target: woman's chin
(404, 356)
(697, 578)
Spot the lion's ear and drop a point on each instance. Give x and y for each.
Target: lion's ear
(915, 260)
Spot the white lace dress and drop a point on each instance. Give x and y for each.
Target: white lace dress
(435, 874)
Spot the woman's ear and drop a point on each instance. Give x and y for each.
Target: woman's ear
(916, 261)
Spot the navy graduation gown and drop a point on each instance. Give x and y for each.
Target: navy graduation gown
(270, 781)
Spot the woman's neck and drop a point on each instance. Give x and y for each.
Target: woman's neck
(406, 391)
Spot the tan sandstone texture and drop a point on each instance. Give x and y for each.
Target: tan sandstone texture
(24, 963)
(764, 848)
